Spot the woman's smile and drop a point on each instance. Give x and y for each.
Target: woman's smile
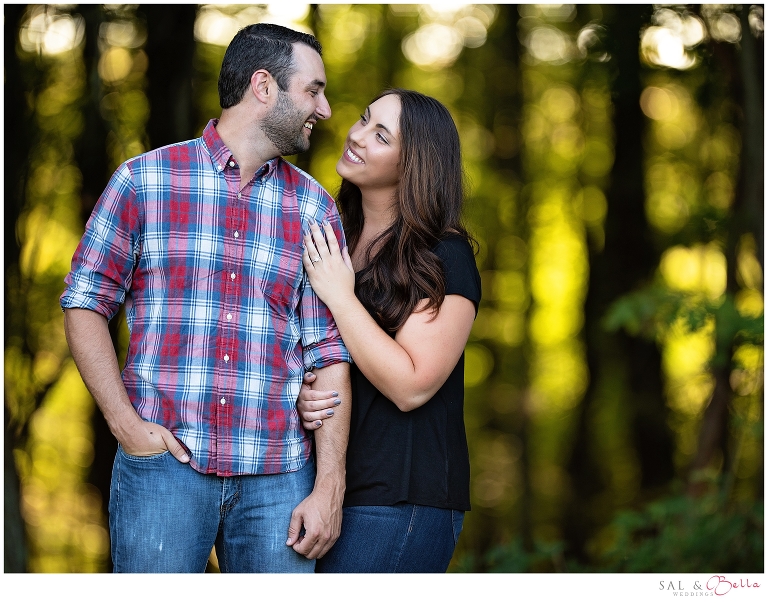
(350, 155)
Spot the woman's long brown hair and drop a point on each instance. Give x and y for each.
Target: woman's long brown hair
(429, 198)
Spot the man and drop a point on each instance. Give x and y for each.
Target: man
(203, 242)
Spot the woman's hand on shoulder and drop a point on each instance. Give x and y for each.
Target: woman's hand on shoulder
(329, 268)
(315, 406)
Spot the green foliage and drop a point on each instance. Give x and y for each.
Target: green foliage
(642, 312)
(649, 312)
(513, 558)
(676, 534)
(682, 534)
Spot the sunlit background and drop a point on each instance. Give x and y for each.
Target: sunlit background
(617, 358)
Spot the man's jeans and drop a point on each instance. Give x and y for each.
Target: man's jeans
(165, 517)
(401, 538)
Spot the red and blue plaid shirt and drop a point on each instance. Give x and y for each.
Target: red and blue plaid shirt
(222, 319)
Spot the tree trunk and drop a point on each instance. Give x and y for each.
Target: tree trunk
(627, 260)
(17, 145)
(170, 49)
(747, 217)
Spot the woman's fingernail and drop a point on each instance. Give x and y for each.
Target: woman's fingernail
(334, 394)
(318, 423)
(309, 375)
(336, 402)
(329, 412)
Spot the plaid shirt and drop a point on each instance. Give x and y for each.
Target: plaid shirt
(222, 319)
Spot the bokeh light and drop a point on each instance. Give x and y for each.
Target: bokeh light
(445, 29)
(668, 43)
(550, 45)
(49, 32)
(218, 24)
(701, 269)
(724, 26)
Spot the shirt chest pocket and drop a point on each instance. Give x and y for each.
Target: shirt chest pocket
(278, 275)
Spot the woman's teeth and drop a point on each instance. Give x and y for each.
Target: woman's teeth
(352, 157)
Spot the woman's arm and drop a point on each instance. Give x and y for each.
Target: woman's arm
(408, 369)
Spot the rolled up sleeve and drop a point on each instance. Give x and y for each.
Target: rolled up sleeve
(321, 341)
(103, 263)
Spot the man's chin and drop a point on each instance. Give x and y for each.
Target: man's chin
(295, 150)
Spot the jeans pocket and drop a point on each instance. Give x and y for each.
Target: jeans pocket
(457, 519)
(145, 459)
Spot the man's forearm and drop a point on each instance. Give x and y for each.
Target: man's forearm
(320, 513)
(91, 346)
(331, 441)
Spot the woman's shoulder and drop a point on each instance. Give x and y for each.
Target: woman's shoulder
(458, 258)
(452, 246)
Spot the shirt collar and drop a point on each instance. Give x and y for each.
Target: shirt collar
(223, 158)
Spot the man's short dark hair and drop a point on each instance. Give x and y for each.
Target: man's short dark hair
(259, 46)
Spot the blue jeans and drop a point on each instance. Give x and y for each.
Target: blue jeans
(401, 538)
(166, 517)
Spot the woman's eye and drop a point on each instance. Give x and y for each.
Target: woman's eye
(382, 139)
(362, 118)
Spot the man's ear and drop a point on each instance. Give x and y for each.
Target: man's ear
(263, 85)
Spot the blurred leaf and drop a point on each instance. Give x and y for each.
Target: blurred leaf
(513, 558)
(647, 312)
(682, 534)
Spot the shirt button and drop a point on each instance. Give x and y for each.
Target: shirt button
(239, 195)
(223, 401)
(226, 357)
(232, 276)
(229, 317)
(237, 234)
(218, 167)
(231, 164)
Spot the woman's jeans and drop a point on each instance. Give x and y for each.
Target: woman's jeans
(401, 538)
(165, 517)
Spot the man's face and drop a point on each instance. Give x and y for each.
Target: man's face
(289, 123)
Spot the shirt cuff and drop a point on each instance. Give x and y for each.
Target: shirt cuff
(72, 299)
(326, 353)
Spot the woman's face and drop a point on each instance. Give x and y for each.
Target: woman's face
(371, 153)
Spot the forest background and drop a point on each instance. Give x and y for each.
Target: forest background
(614, 375)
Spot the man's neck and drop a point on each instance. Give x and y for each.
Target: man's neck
(248, 143)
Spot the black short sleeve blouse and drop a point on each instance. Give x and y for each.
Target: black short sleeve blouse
(419, 457)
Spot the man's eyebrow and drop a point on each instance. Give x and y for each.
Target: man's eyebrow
(316, 83)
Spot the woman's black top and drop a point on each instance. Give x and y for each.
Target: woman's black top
(418, 457)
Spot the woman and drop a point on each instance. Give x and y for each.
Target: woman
(404, 296)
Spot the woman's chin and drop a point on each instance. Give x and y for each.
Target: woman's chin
(343, 171)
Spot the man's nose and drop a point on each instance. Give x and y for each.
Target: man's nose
(323, 109)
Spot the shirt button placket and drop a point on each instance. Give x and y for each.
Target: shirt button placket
(228, 341)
